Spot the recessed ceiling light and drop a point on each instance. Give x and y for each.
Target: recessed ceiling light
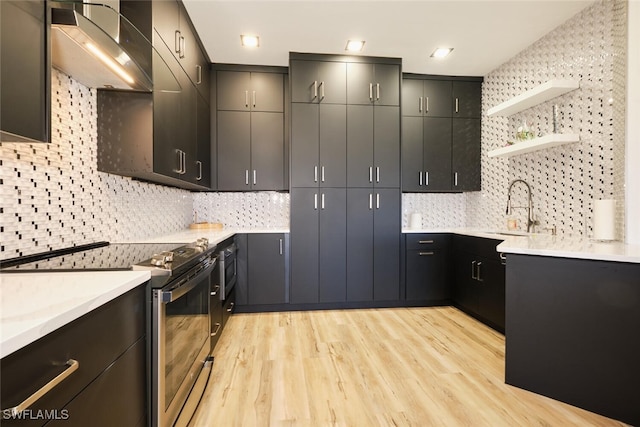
(354, 45)
(441, 52)
(250, 41)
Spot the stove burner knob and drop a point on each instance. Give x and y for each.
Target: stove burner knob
(162, 258)
(202, 243)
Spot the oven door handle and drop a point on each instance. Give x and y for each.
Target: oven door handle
(176, 292)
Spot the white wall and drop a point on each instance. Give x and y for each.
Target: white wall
(633, 124)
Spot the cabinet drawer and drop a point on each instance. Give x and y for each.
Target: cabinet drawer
(426, 241)
(95, 340)
(229, 307)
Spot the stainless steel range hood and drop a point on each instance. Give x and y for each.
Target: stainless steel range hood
(85, 51)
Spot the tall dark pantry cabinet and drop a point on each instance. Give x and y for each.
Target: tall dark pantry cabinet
(345, 179)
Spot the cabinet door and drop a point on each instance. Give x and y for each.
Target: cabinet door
(466, 290)
(304, 246)
(266, 269)
(386, 245)
(188, 123)
(437, 98)
(333, 245)
(304, 145)
(467, 99)
(466, 154)
(332, 82)
(267, 151)
(427, 275)
(491, 304)
(412, 155)
(386, 85)
(360, 84)
(25, 70)
(304, 81)
(386, 143)
(203, 136)
(360, 244)
(437, 154)
(360, 171)
(333, 145)
(233, 90)
(234, 150)
(412, 99)
(267, 92)
(166, 21)
(202, 73)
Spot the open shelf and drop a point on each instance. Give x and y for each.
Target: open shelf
(535, 96)
(547, 141)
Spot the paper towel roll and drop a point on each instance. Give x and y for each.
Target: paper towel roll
(415, 221)
(604, 219)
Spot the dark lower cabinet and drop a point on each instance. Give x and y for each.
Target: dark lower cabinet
(479, 284)
(373, 244)
(573, 332)
(266, 268)
(427, 267)
(109, 385)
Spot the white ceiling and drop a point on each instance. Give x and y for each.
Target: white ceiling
(483, 33)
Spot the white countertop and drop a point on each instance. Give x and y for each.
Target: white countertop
(214, 236)
(33, 305)
(547, 245)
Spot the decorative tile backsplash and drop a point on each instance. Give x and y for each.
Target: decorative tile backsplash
(267, 209)
(53, 196)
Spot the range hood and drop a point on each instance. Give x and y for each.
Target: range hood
(85, 51)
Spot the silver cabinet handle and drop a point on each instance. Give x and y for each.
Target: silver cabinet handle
(315, 90)
(425, 242)
(370, 201)
(315, 174)
(473, 269)
(198, 74)
(455, 179)
(321, 90)
(426, 110)
(322, 201)
(457, 106)
(420, 104)
(179, 169)
(280, 246)
(255, 177)
(370, 91)
(246, 177)
(176, 41)
(420, 173)
(478, 271)
(216, 288)
(426, 178)
(253, 97)
(246, 98)
(73, 366)
(377, 91)
(199, 163)
(184, 162)
(183, 44)
(230, 309)
(425, 253)
(315, 201)
(503, 258)
(377, 173)
(322, 173)
(378, 201)
(370, 173)
(218, 326)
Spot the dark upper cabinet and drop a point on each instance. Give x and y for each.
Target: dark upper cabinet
(246, 91)
(266, 268)
(203, 142)
(373, 84)
(319, 145)
(318, 81)
(427, 265)
(432, 98)
(465, 159)
(373, 146)
(467, 99)
(25, 99)
(267, 151)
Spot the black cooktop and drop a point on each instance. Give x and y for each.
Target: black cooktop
(92, 257)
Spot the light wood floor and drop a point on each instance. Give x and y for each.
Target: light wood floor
(382, 367)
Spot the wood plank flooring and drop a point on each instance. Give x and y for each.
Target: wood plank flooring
(379, 367)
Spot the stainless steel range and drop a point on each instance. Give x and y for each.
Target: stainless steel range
(178, 324)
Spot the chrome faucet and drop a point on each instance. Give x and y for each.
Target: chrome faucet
(530, 221)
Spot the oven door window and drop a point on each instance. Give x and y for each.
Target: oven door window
(186, 331)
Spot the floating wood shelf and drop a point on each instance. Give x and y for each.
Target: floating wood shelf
(535, 96)
(547, 141)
